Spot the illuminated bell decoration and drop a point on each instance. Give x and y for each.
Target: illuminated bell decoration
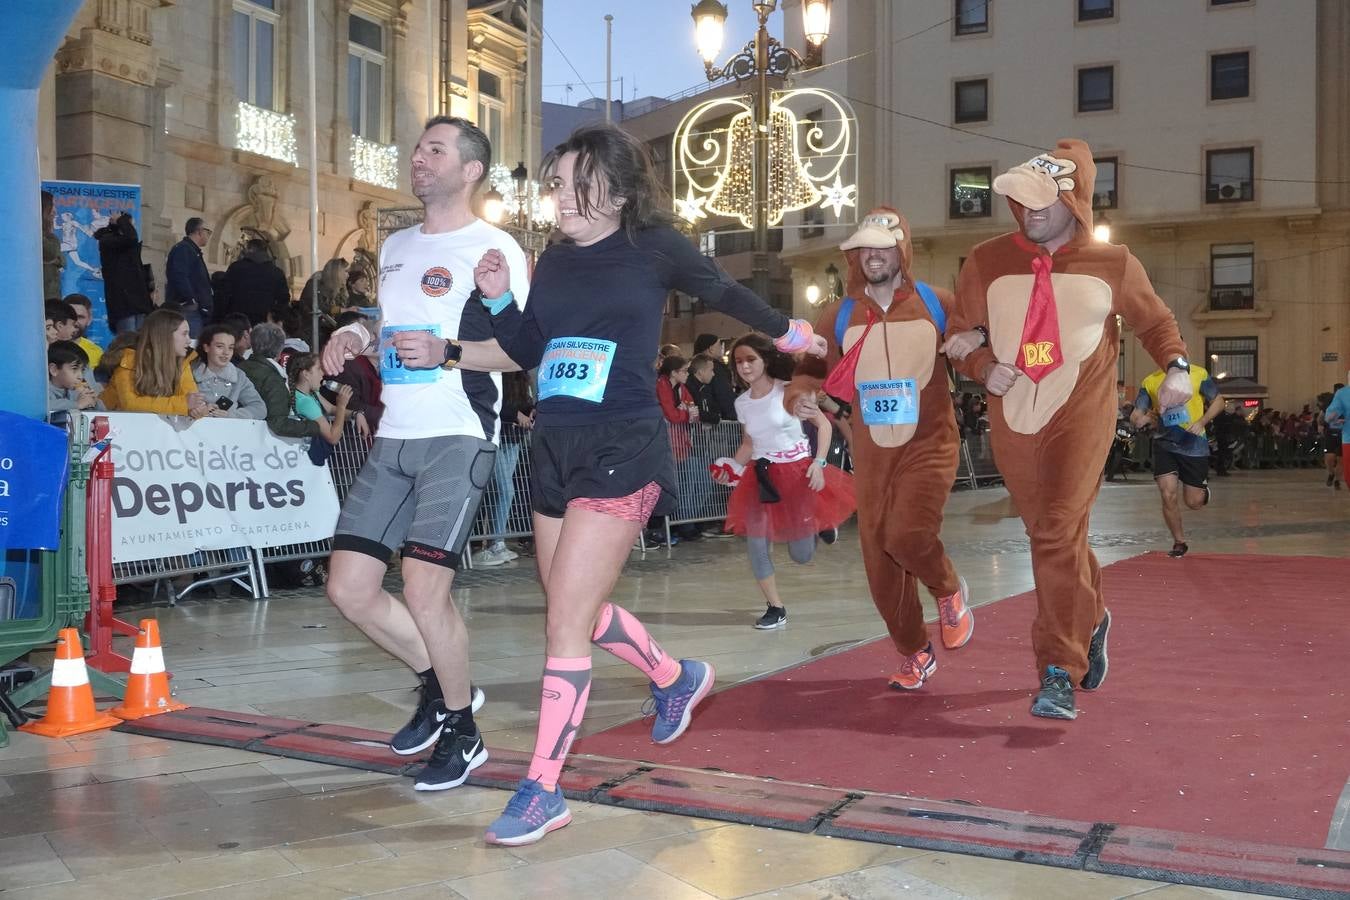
(734, 194)
(789, 188)
(812, 158)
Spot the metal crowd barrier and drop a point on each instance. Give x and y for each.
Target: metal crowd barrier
(976, 467)
(505, 510)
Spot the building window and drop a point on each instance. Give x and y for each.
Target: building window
(1096, 88)
(972, 16)
(972, 101)
(1231, 281)
(1088, 10)
(255, 51)
(1104, 194)
(970, 193)
(1228, 175)
(1233, 357)
(1229, 75)
(491, 110)
(1226, 2)
(365, 78)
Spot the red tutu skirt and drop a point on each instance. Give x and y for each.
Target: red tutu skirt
(800, 512)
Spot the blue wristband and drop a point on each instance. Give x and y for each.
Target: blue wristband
(499, 304)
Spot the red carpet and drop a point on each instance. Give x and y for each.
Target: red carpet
(1225, 712)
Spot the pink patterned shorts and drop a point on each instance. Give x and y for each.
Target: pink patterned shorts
(636, 507)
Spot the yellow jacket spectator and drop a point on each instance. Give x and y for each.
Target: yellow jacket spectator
(156, 377)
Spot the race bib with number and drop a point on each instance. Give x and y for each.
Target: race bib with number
(889, 402)
(576, 367)
(1176, 416)
(391, 367)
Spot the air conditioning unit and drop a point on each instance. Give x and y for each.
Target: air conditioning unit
(1228, 191)
(972, 206)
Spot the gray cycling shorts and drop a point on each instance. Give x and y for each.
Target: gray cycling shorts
(421, 494)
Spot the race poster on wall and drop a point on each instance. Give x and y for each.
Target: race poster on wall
(82, 208)
(180, 486)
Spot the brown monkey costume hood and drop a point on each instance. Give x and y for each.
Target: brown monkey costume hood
(882, 228)
(1065, 175)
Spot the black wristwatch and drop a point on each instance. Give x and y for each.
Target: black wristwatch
(983, 331)
(1179, 364)
(453, 352)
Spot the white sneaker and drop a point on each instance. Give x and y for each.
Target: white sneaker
(489, 557)
(506, 553)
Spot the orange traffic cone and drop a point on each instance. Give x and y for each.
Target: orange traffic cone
(148, 686)
(70, 702)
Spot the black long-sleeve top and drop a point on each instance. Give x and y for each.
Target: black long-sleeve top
(616, 290)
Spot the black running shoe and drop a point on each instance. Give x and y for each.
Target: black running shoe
(773, 617)
(829, 535)
(427, 720)
(1178, 550)
(1055, 701)
(1097, 661)
(455, 756)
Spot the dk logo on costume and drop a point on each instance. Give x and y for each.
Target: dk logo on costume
(1038, 353)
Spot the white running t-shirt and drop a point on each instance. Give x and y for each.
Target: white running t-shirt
(775, 434)
(425, 283)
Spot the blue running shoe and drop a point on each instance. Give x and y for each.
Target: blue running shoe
(529, 815)
(674, 706)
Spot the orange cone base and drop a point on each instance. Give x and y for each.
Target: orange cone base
(66, 729)
(152, 708)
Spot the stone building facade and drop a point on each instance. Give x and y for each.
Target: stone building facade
(205, 106)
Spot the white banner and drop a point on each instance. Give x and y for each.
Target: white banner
(180, 486)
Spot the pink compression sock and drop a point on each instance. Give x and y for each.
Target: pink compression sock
(567, 683)
(621, 634)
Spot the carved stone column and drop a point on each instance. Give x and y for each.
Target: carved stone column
(105, 95)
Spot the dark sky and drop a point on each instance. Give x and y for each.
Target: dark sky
(653, 46)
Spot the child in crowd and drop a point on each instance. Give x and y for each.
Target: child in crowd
(62, 321)
(790, 496)
(305, 375)
(67, 390)
(156, 376)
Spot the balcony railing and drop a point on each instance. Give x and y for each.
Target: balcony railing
(265, 132)
(1225, 298)
(375, 163)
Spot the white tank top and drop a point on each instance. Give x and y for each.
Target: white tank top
(774, 434)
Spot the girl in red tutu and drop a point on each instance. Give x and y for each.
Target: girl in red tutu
(784, 493)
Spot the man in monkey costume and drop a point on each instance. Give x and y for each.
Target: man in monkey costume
(1035, 322)
(883, 342)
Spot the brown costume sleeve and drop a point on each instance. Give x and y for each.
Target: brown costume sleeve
(971, 309)
(1145, 312)
(808, 379)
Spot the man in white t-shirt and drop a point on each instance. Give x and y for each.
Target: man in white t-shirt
(422, 482)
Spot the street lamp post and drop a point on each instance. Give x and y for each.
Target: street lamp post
(757, 60)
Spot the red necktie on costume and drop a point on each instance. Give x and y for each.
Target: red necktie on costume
(1040, 353)
(841, 381)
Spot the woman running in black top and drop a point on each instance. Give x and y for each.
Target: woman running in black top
(600, 448)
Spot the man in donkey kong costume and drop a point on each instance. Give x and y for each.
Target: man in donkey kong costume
(883, 342)
(1035, 321)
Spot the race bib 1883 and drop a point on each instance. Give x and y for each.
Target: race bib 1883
(576, 367)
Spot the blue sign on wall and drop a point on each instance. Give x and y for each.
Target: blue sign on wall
(34, 462)
(82, 208)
